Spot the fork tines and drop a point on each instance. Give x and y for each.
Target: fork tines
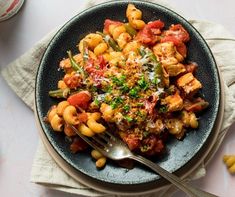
(104, 139)
(100, 141)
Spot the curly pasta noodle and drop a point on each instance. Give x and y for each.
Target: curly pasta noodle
(229, 161)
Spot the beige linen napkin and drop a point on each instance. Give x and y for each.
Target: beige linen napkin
(20, 75)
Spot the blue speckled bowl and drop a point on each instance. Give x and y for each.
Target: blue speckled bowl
(180, 153)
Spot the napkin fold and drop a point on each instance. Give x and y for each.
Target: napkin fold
(20, 75)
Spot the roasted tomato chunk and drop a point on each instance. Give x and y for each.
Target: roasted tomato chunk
(78, 145)
(80, 99)
(153, 145)
(148, 34)
(132, 141)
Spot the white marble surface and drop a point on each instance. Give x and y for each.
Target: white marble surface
(18, 133)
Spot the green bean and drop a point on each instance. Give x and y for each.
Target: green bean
(110, 41)
(60, 93)
(157, 66)
(143, 83)
(130, 30)
(74, 65)
(113, 44)
(153, 58)
(134, 92)
(142, 51)
(158, 72)
(128, 118)
(85, 52)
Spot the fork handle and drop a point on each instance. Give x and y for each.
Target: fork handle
(191, 191)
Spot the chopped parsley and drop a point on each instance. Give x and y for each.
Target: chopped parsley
(142, 115)
(124, 88)
(108, 89)
(134, 92)
(142, 83)
(116, 102)
(163, 109)
(97, 102)
(128, 118)
(126, 108)
(119, 81)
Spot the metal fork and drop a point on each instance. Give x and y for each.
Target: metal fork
(114, 148)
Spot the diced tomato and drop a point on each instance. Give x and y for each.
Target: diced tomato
(69, 131)
(132, 141)
(109, 22)
(178, 35)
(155, 145)
(171, 39)
(78, 145)
(159, 146)
(195, 106)
(73, 81)
(182, 49)
(101, 62)
(181, 32)
(96, 69)
(155, 25)
(80, 99)
(83, 117)
(148, 34)
(178, 32)
(89, 67)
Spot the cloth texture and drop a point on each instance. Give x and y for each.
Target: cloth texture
(20, 75)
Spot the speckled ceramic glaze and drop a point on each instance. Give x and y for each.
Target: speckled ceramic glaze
(179, 153)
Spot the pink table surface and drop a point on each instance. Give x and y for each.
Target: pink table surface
(18, 133)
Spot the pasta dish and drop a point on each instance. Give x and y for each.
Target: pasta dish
(132, 79)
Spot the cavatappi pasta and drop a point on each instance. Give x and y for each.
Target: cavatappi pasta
(131, 77)
(229, 161)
